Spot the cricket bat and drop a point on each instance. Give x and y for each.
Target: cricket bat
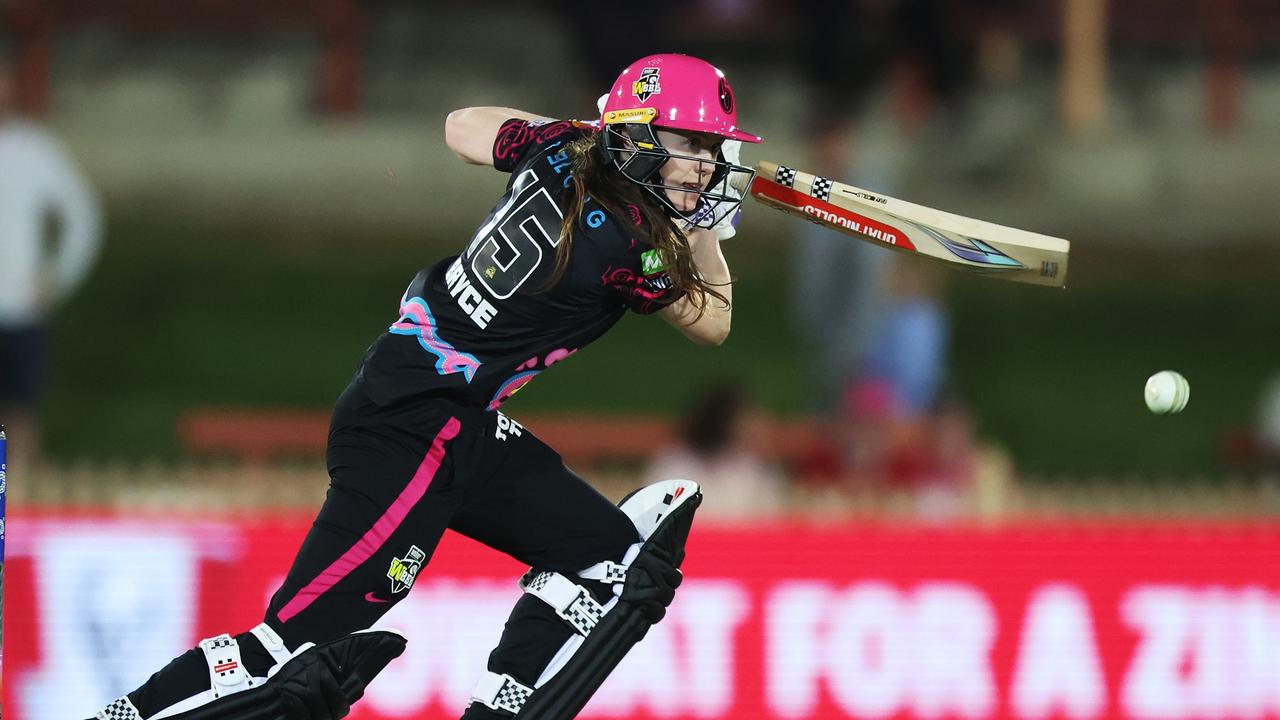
(1002, 252)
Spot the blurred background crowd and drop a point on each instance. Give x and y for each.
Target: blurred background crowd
(208, 210)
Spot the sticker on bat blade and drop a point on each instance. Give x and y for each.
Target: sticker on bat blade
(825, 213)
(863, 196)
(858, 224)
(976, 251)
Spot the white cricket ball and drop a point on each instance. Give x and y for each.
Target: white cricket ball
(1167, 392)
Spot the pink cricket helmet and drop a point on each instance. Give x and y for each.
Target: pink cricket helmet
(677, 92)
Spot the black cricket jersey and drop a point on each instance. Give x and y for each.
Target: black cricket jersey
(478, 326)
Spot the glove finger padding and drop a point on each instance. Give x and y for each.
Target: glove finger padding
(651, 584)
(331, 703)
(318, 683)
(361, 662)
(323, 682)
(311, 691)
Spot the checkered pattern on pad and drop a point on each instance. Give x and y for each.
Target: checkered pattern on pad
(535, 581)
(584, 613)
(511, 696)
(120, 709)
(572, 602)
(785, 176)
(821, 188)
(614, 573)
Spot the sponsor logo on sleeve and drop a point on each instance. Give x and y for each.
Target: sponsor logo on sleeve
(651, 262)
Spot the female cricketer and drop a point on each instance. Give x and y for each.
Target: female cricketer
(598, 218)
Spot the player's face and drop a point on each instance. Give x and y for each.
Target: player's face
(690, 166)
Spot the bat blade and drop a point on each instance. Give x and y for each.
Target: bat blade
(975, 245)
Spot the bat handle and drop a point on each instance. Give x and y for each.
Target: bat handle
(766, 170)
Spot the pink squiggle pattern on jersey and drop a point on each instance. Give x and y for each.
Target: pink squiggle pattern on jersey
(556, 356)
(416, 319)
(510, 387)
(516, 135)
(525, 372)
(630, 282)
(644, 294)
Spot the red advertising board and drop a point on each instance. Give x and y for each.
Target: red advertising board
(787, 621)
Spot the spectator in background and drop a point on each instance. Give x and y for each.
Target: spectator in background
(896, 430)
(846, 46)
(720, 446)
(872, 318)
(873, 451)
(908, 348)
(40, 190)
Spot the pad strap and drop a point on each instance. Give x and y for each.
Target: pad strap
(272, 643)
(120, 709)
(605, 572)
(501, 692)
(226, 671)
(572, 602)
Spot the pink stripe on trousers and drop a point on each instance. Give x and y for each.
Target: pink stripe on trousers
(377, 536)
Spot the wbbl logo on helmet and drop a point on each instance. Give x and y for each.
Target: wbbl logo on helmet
(646, 85)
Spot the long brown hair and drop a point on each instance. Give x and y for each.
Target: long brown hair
(593, 175)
